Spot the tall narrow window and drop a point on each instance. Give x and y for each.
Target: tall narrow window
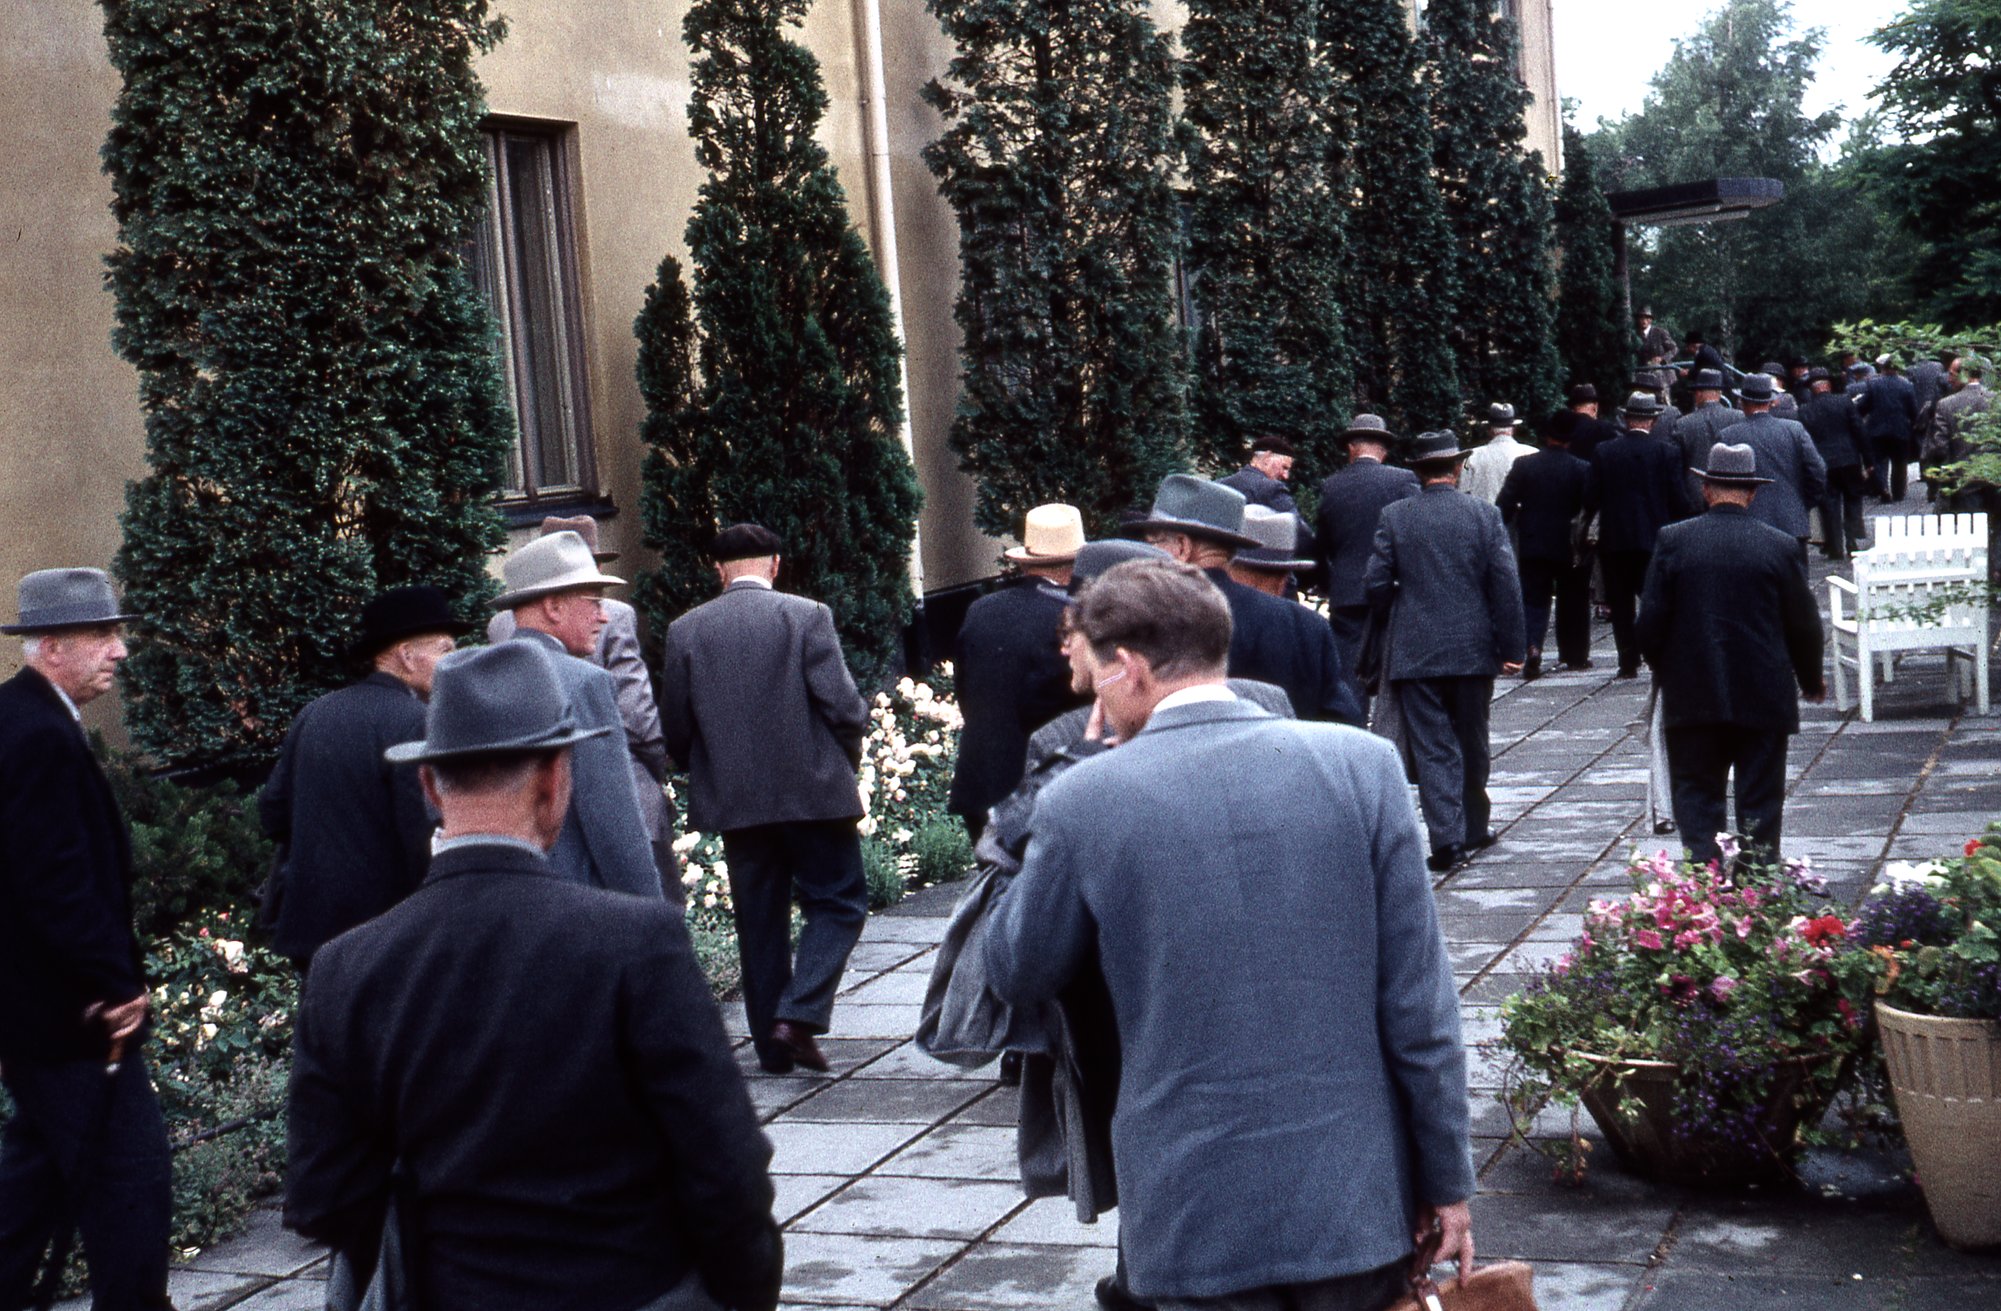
(525, 262)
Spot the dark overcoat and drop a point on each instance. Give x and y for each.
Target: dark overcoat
(1786, 454)
(1728, 623)
(1636, 489)
(1541, 499)
(66, 940)
(1345, 525)
(1289, 646)
(761, 710)
(1011, 679)
(353, 832)
(1889, 406)
(1443, 567)
(1835, 423)
(545, 1062)
(1260, 488)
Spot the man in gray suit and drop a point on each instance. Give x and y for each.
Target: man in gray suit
(1443, 568)
(1286, 1160)
(618, 654)
(555, 590)
(1786, 455)
(1701, 428)
(761, 711)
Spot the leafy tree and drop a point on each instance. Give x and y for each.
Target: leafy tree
(1497, 206)
(294, 182)
(1943, 183)
(784, 408)
(1591, 331)
(1058, 159)
(1397, 289)
(1262, 128)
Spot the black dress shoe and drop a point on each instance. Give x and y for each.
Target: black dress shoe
(1663, 827)
(1450, 856)
(1532, 670)
(796, 1042)
(1577, 666)
(1114, 1298)
(1629, 673)
(1485, 840)
(775, 1061)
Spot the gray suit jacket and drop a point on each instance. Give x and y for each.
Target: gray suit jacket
(618, 655)
(1698, 431)
(760, 709)
(1786, 455)
(604, 842)
(1292, 1078)
(1443, 566)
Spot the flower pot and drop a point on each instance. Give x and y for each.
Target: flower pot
(1633, 1105)
(1946, 1078)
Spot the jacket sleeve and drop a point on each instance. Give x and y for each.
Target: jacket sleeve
(1038, 936)
(634, 691)
(274, 800)
(414, 823)
(338, 1166)
(1801, 618)
(1674, 487)
(1379, 579)
(1504, 594)
(832, 687)
(677, 716)
(1337, 691)
(1650, 629)
(607, 796)
(1813, 469)
(1509, 502)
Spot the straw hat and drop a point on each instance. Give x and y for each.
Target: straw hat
(1052, 534)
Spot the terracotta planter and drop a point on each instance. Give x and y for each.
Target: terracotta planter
(1643, 1137)
(1946, 1078)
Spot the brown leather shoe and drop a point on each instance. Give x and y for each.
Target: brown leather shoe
(797, 1041)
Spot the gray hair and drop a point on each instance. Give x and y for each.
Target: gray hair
(31, 646)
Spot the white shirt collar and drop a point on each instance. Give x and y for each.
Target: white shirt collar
(74, 713)
(754, 580)
(1189, 696)
(441, 845)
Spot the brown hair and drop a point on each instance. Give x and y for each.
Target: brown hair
(1163, 610)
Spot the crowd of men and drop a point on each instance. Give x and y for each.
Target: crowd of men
(505, 1051)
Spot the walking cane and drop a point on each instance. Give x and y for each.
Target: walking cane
(44, 1296)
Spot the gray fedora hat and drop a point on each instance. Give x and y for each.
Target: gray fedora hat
(1500, 415)
(53, 599)
(1436, 448)
(1732, 466)
(1641, 405)
(1368, 428)
(560, 562)
(1706, 380)
(1277, 534)
(1198, 507)
(1093, 558)
(1756, 387)
(493, 701)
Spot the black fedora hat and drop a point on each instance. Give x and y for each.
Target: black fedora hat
(404, 612)
(1093, 558)
(494, 701)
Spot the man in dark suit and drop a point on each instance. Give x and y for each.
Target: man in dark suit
(1635, 490)
(1200, 905)
(1701, 353)
(1730, 627)
(1263, 480)
(1351, 501)
(86, 1148)
(1786, 456)
(1543, 500)
(1008, 666)
(555, 591)
(532, 1069)
(1587, 429)
(1834, 422)
(1702, 427)
(1271, 640)
(1443, 569)
(353, 835)
(761, 711)
(1889, 406)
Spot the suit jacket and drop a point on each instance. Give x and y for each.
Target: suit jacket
(1586, 435)
(1283, 643)
(1541, 499)
(1260, 488)
(1636, 489)
(761, 710)
(1487, 467)
(1838, 433)
(1443, 567)
(604, 841)
(66, 939)
(1667, 429)
(353, 832)
(618, 654)
(1728, 623)
(547, 1066)
(1943, 444)
(1928, 382)
(1343, 1104)
(1786, 455)
(1012, 679)
(1889, 407)
(1345, 527)
(1699, 430)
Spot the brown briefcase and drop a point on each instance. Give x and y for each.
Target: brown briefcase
(1508, 1286)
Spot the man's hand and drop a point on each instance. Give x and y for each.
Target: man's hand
(1096, 729)
(1444, 1233)
(120, 1022)
(1816, 695)
(1511, 666)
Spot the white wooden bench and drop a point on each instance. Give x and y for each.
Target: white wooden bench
(1922, 586)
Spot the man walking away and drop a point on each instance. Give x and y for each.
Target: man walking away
(1269, 566)
(531, 1069)
(1889, 406)
(763, 714)
(1702, 427)
(1635, 491)
(1586, 430)
(1487, 468)
(1543, 501)
(1287, 1162)
(86, 1148)
(1351, 501)
(1730, 627)
(353, 835)
(1835, 424)
(1786, 456)
(1946, 443)
(1443, 568)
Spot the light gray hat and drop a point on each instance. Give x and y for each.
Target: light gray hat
(1278, 540)
(1093, 558)
(1500, 415)
(53, 599)
(492, 701)
(1732, 466)
(560, 562)
(1197, 507)
(1369, 428)
(1641, 405)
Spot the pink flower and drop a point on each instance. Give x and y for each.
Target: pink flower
(1562, 966)
(1647, 938)
(1722, 986)
(1744, 928)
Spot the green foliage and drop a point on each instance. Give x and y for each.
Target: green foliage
(785, 408)
(1931, 934)
(193, 849)
(1980, 434)
(1910, 342)
(1397, 290)
(1592, 335)
(943, 850)
(884, 869)
(1058, 160)
(294, 182)
(1261, 128)
(1497, 208)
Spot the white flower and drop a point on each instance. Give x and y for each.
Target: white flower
(882, 700)
(692, 877)
(901, 836)
(232, 955)
(208, 1032)
(1903, 876)
(867, 826)
(906, 687)
(687, 842)
(709, 901)
(922, 693)
(721, 869)
(218, 999)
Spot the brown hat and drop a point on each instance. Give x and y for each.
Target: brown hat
(583, 526)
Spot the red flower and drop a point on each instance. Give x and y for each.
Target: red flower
(1828, 928)
(1848, 1013)
(1972, 846)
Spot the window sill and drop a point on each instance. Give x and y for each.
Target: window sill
(530, 514)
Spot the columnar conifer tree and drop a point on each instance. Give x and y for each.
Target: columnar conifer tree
(294, 181)
(1497, 207)
(1591, 332)
(1398, 287)
(790, 418)
(1262, 132)
(1058, 157)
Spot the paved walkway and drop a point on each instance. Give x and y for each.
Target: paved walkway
(896, 1175)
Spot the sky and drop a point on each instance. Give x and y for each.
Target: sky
(1607, 51)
